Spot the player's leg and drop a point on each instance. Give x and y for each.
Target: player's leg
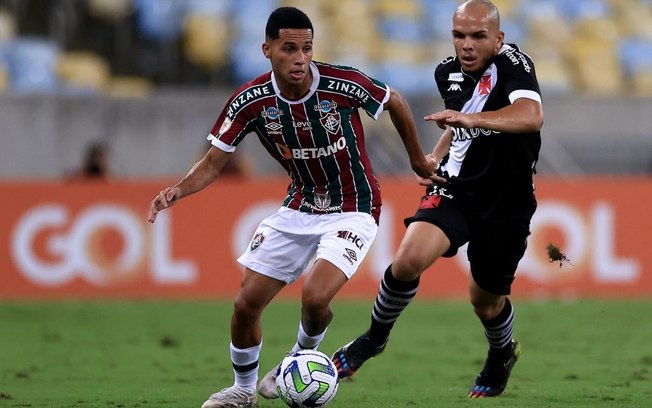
(497, 316)
(277, 257)
(322, 284)
(320, 287)
(494, 253)
(438, 229)
(422, 244)
(344, 240)
(255, 293)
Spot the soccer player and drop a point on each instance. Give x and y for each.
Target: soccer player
(488, 150)
(306, 114)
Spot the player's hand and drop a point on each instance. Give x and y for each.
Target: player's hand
(428, 181)
(452, 118)
(423, 167)
(165, 199)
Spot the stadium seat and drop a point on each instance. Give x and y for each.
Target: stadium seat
(159, 20)
(603, 28)
(636, 59)
(129, 87)
(248, 24)
(83, 72)
(4, 77)
(596, 67)
(438, 17)
(408, 78)
(585, 9)
(548, 28)
(31, 62)
(109, 10)
(507, 8)
(7, 26)
(205, 39)
(635, 55)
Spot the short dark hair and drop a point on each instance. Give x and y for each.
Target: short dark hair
(286, 17)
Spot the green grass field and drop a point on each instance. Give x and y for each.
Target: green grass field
(175, 354)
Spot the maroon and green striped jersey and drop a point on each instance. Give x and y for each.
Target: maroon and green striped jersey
(318, 139)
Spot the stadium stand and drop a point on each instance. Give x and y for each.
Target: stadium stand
(191, 42)
(593, 59)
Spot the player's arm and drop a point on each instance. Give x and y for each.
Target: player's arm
(443, 145)
(523, 116)
(440, 150)
(200, 175)
(403, 121)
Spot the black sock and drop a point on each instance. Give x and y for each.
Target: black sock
(499, 329)
(393, 296)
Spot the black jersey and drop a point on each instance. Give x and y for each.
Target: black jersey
(486, 167)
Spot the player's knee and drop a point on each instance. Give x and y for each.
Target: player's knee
(406, 267)
(315, 304)
(245, 308)
(487, 310)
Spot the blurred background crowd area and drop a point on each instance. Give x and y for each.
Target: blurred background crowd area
(129, 47)
(130, 88)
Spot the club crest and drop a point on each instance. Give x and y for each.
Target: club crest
(257, 241)
(322, 200)
(331, 122)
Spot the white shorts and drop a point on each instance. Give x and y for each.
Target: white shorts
(287, 241)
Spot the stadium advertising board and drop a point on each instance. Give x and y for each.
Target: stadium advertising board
(93, 241)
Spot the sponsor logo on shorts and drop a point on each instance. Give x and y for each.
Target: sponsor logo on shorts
(257, 241)
(351, 256)
(351, 237)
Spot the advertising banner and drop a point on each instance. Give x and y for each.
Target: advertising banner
(92, 240)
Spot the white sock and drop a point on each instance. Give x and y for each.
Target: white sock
(307, 342)
(245, 366)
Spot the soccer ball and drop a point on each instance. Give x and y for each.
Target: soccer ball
(307, 378)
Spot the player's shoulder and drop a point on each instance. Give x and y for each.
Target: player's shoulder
(262, 80)
(446, 66)
(335, 70)
(511, 56)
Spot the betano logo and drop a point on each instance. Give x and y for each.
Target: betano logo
(105, 245)
(311, 152)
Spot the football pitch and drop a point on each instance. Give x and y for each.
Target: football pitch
(175, 354)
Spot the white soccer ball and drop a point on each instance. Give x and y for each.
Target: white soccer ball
(307, 378)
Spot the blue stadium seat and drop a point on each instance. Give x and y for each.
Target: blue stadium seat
(248, 24)
(408, 79)
(31, 62)
(635, 55)
(439, 17)
(402, 28)
(585, 9)
(160, 19)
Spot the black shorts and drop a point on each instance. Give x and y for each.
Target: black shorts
(496, 244)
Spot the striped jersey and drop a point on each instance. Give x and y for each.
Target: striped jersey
(487, 167)
(318, 139)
